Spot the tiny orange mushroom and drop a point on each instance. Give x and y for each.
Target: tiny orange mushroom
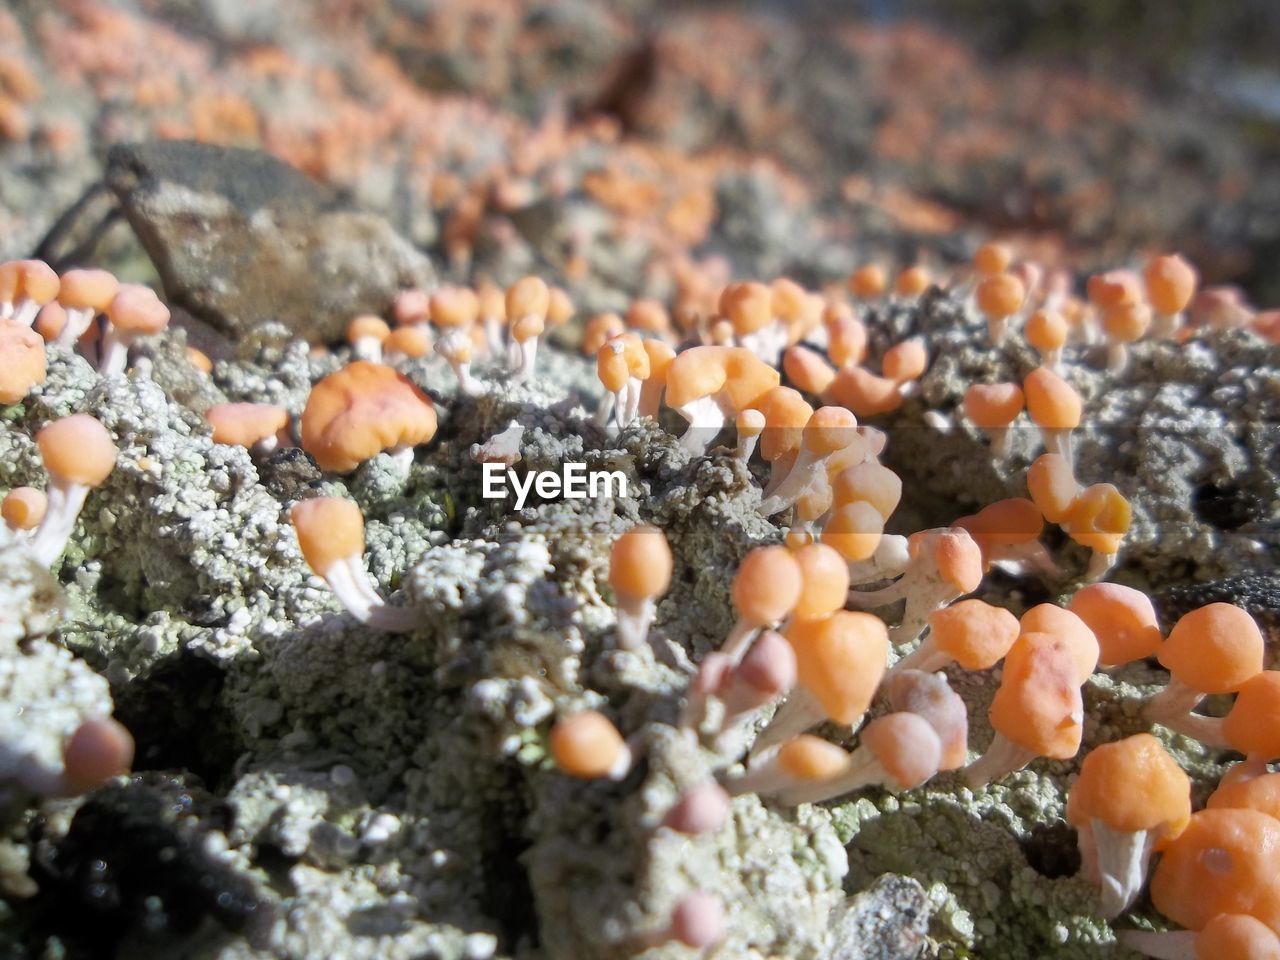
(1054, 407)
(993, 408)
(24, 507)
(587, 745)
(640, 566)
(262, 427)
(22, 361)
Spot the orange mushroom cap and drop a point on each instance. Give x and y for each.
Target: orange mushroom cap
(137, 308)
(954, 553)
(77, 449)
(905, 361)
(973, 633)
(34, 280)
(1051, 401)
(829, 429)
(854, 530)
(1099, 518)
(410, 307)
(1214, 649)
(824, 578)
(1005, 523)
(1046, 330)
(22, 361)
(1126, 322)
(1237, 936)
(1000, 296)
(1113, 288)
(601, 328)
(330, 530)
(24, 507)
(928, 695)
(1038, 705)
(841, 659)
(640, 563)
(413, 341)
(87, 289)
(1171, 283)
(807, 369)
(455, 307)
(1123, 620)
(244, 424)
(1132, 785)
(527, 297)
(991, 406)
(812, 759)
(785, 413)
(357, 412)
(863, 392)
(912, 282)
(847, 342)
(992, 258)
(748, 306)
(560, 307)
(367, 326)
(648, 315)
(1046, 618)
(767, 585)
(1243, 788)
(871, 482)
(1253, 724)
(586, 745)
(52, 318)
(1223, 862)
(868, 281)
(98, 750)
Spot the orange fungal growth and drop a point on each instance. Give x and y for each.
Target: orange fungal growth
(905, 361)
(528, 301)
(407, 343)
(999, 297)
(1253, 724)
(1046, 331)
(366, 334)
(331, 537)
(601, 328)
(1222, 863)
(649, 316)
(748, 306)
(824, 579)
(945, 564)
(1171, 284)
(640, 572)
(560, 308)
(868, 282)
(1054, 407)
(411, 307)
(83, 294)
(766, 673)
(24, 507)
(587, 745)
(622, 366)
(1123, 324)
(1237, 936)
(870, 482)
(972, 633)
(26, 286)
(826, 431)
(797, 765)
(991, 259)
(51, 320)
(1122, 619)
(750, 424)
(765, 589)
(362, 410)
(709, 385)
(1114, 288)
(1130, 799)
(807, 369)
(1213, 649)
(912, 282)
(847, 342)
(198, 359)
(993, 408)
(854, 530)
(78, 455)
(98, 750)
(493, 316)
(22, 361)
(863, 392)
(840, 660)
(262, 427)
(1052, 486)
(455, 311)
(1037, 711)
(1099, 519)
(1064, 626)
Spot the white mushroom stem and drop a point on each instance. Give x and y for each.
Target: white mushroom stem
(768, 342)
(779, 469)
(1165, 325)
(1172, 945)
(925, 591)
(801, 711)
(891, 559)
(494, 335)
(25, 311)
(603, 410)
(808, 465)
(1099, 564)
(627, 402)
(1120, 859)
(1051, 359)
(1002, 757)
(738, 642)
(78, 320)
(455, 346)
(1001, 441)
(115, 350)
(706, 417)
(1172, 705)
(1117, 357)
(1059, 442)
(402, 458)
(746, 446)
(634, 616)
(997, 330)
(1019, 559)
(926, 657)
(712, 673)
(349, 581)
(367, 348)
(65, 503)
(528, 352)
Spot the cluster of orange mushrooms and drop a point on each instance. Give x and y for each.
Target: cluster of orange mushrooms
(806, 650)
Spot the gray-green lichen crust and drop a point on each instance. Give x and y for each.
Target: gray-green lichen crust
(391, 796)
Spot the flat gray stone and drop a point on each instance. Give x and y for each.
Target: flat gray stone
(887, 921)
(240, 238)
